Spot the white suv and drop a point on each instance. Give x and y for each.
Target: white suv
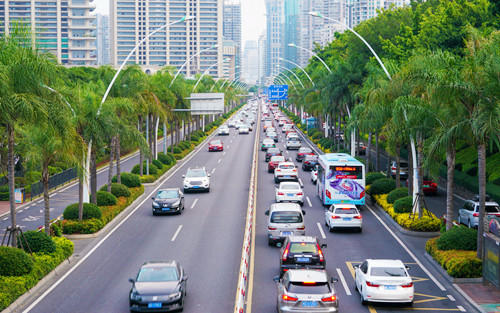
(286, 171)
(469, 213)
(196, 179)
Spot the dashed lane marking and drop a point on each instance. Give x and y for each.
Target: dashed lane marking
(344, 283)
(213, 170)
(451, 298)
(301, 183)
(176, 233)
(219, 160)
(194, 203)
(309, 202)
(321, 231)
(224, 153)
(461, 308)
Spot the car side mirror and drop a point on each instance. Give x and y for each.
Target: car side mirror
(303, 212)
(324, 245)
(276, 279)
(267, 212)
(153, 198)
(131, 280)
(209, 175)
(183, 176)
(407, 267)
(356, 266)
(334, 280)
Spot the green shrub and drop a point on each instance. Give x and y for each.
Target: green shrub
(54, 170)
(207, 128)
(145, 179)
(4, 196)
(194, 137)
(55, 230)
(472, 171)
(33, 177)
(312, 131)
(397, 194)
(458, 238)
(317, 135)
(62, 165)
(163, 158)
(465, 267)
(129, 179)
(90, 211)
(89, 226)
(4, 188)
(496, 181)
(14, 262)
(371, 177)
(37, 242)
(20, 181)
(177, 150)
(118, 190)
(158, 164)
(137, 169)
(153, 170)
(382, 186)
(105, 198)
(404, 205)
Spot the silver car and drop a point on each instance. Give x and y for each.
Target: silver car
(468, 214)
(306, 291)
(293, 143)
(285, 219)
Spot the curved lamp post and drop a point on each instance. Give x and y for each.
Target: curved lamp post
(312, 52)
(206, 71)
(225, 72)
(289, 81)
(297, 77)
(188, 60)
(300, 69)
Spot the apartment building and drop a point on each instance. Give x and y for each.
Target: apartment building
(103, 47)
(232, 29)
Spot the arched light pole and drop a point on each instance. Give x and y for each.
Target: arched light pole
(283, 67)
(312, 52)
(300, 69)
(233, 75)
(225, 72)
(289, 81)
(188, 60)
(206, 71)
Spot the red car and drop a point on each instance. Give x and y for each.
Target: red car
(215, 145)
(273, 162)
(429, 187)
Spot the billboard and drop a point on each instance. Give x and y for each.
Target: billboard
(207, 103)
(278, 92)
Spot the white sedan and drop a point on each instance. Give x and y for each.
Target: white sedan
(384, 281)
(289, 192)
(343, 216)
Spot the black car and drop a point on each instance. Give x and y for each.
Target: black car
(301, 252)
(160, 286)
(169, 200)
(310, 161)
(301, 154)
(272, 152)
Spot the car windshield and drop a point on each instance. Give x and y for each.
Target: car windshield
(157, 274)
(388, 271)
(167, 194)
(346, 211)
(196, 173)
(287, 166)
(216, 142)
(303, 247)
(308, 288)
(286, 217)
(492, 209)
(289, 186)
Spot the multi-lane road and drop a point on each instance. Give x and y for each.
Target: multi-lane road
(207, 240)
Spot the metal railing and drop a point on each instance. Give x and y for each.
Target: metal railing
(54, 181)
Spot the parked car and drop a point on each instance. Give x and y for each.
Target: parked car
(273, 162)
(286, 171)
(310, 161)
(384, 281)
(289, 192)
(168, 200)
(196, 179)
(403, 170)
(303, 151)
(468, 214)
(306, 291)
(302, 252)
(215, 145)
(160, 286)
(223, 130)
(272, 152)
(285, 219)
(267, 143)
(343, 216)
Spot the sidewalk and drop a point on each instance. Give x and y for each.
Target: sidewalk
(487, 297)
(5, 206)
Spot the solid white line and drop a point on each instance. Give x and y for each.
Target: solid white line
(451, 298)
(344, 283)
(194, 203)
(5, 218)
(321, 231)
(461, 308)
(409, 252)
(54, 194)
(33, 204)
(301, 183)
(213, 170)
(309, 202)
(176, 233)
(219, 160)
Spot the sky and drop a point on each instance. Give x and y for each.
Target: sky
(253, 18)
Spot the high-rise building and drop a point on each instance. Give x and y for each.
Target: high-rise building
(232, 28)
(292, 31)
(262, 58)
(274, 37)
(132, 20)
(103, 56)
(65, 28)
(362, 10)
(251, 61)
(310, 28)
(229, 66)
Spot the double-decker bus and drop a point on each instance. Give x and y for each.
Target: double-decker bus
(341, 179)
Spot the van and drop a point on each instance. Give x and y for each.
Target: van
(285, 219)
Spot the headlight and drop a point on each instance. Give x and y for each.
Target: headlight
(175, 204)
(135, 295)
(174, 296)
(156, 205)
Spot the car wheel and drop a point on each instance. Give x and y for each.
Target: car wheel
(269, 171)
(154, 213)
(410, 304)
(301, 203)
(331, 229)
(276, 181)
(208, 189)
(363, 301)
(270, 242)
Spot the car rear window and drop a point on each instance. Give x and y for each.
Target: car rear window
(273, 150)
(388, 271)
(287, 166)
(289, 186)
(345, 211)
(286, 217)
(216, 142)
(278, 159)
(308, 288)
(305, 150)
(492, 209)
(293, 139)
(303, 247)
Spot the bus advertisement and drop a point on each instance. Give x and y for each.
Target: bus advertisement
(341, 179)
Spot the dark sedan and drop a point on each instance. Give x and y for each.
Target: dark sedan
(169, 200)
(301, 252)
(272, 152)
(310, 161)
(302, 153)
(160, 286)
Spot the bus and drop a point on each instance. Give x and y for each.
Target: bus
(341, 179)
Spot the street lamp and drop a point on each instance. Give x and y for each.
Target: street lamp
(300, 68)
(188, 60)
(206, 71)
(288, 79)
(281, 66)
(225, 72)
(310, 51)
(233, 75)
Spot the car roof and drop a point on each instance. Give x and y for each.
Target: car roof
(344, 205)
(171, 263)
(274, 157)
(285, 207)
(287, 163)
(303, 239)
(301, 275)
(289, 183)
(304, 148)
(385, 263)
(311, 156)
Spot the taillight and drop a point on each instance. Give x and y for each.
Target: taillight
(329, 299)
(394, 168)
(335, 216)
(434, 185)
(475, 214)
(279, 170)
(370, 284)
(280, 193)
(271, 228)
(321, 257)
(300, 194)
(289, 298)
(285, 253)
(301, 228)
(358, 217)
(294, 169)
(407, 285)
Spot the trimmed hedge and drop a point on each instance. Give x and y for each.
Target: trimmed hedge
(371, 177)
(403, 205)
(397, 194)
(37, 242)
(458, 238)
(382, 186)
(105, 198)
(130, 180)
(90, 211)
(118, 190)
(14, 262)
(457, 263)
(158, 164)
(163, 158)
(153, 170)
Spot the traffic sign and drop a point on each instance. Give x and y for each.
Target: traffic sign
(278, 92)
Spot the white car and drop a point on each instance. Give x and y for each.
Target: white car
(231, 123)
(290, 192)
(239, 124)
(342, 215)
(286, 171)
(223, 130)
(314, 175)
(286, 127)
(243, 129)
(196, 179)
(293, 142)
(384, 281)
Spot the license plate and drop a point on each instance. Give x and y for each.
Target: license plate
(196, 187)
(286, 233)
(390, 287)
(346, 218)
(165, 209)
(290, 194)
(154, 305)
(426, 186)
(287, 176)
(303, 260)
(309, 303)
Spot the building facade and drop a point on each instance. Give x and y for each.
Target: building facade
(103, 47)
(250, 67)
(232, 29)
(65, 28)
(274, 37)
(362, 10)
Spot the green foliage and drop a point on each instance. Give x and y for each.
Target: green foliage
(54, 170)
(397, 194)
(4, 196)
(14, 262)
(62, 165)
(33, 177)
(312, 131)
(118, 190)
(194, 137)
(137, 169)
(371, 177)
(403, 205)
(90, 211)
(55, 230)
(458, 238)
(158, 164)
(37, 242)
(88, 226)
(163, 158)
(177, 150)
(382, 186)
(457, 263)
(105, 198)
(129, 179)
(20, 181)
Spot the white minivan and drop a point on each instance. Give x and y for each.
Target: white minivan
(285, 219)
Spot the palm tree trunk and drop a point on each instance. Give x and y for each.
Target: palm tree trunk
(338, 133)
(80, 196)
(111, 159)
(369, 152)
(398, 167)
(481, 171)
(141, 156)
(93, 175)
(377, 153)
(189, 128)
(410, 171)
(420, 161)
(172, 136)
(118, 162)
(45, 182)
(12, 184)
(450, 167)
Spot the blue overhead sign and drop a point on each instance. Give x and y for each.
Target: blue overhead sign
(278, 92)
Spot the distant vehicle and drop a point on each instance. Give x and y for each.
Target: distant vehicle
(160, 286)
(243, 129)
(403, 170)
(272, 152)
(384, 281)
(223, 130)
(239, 124)
(169, 200)
(302, 252)
(267, 143)
(306, 291)
(310, 161)
(285, 219)
(468, 214)
(361, 149)
(293, 142)
(343, 216)
(286, 127)
(273, 162)
(272, 135)
(428, 186)
(289, 192)
(286, 171)
(196, 179)
(301, 154)
(215, 145)
(231, 123)
(341, 179)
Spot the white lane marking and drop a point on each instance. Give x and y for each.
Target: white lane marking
(321, 231)
(219, 160)
(194, 203)
(301, 183)
(54, 194)
(344, 283)
(176, 233)
(20, 211)
(5, 219)
(461, 308)
(309, 202)
(409, 252)
(287, 152)
(213, 171)
(33, 204)
(224, 153)
(451, 297)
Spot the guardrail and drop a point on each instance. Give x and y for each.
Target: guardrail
(54, 181)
